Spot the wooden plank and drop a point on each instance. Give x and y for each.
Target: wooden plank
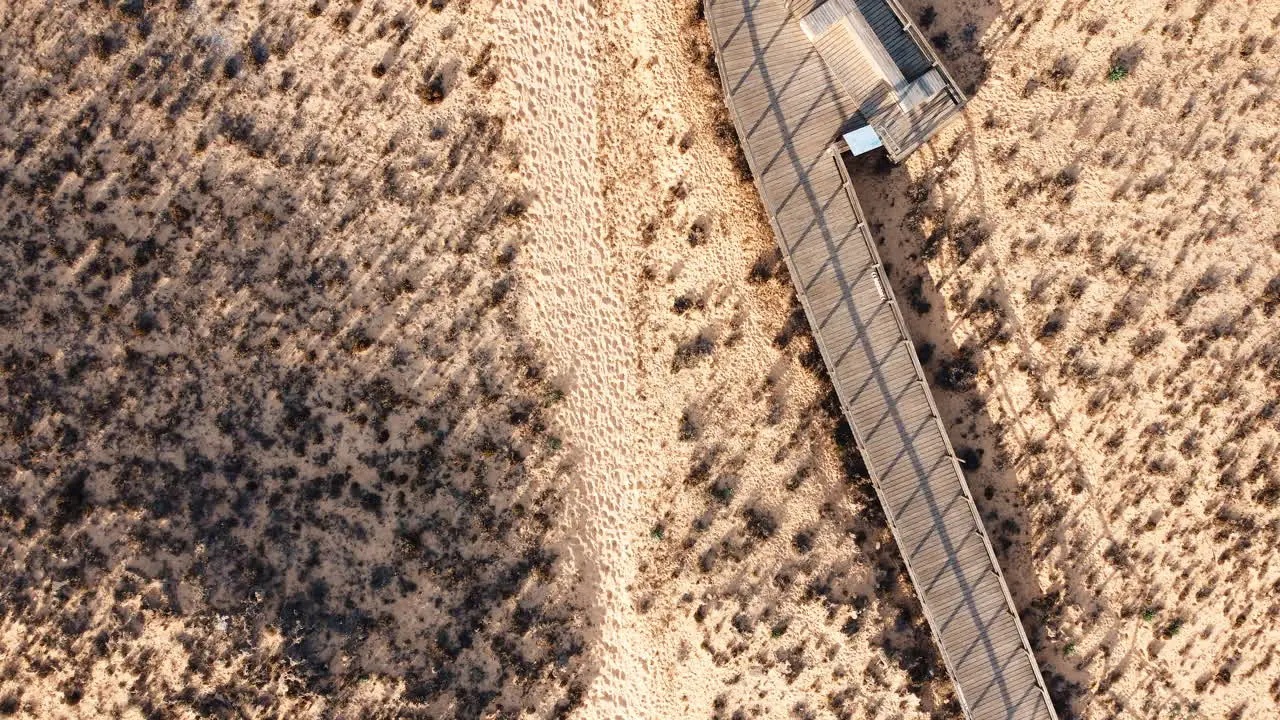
(893, 473)
(930, 517)
(993, 630)
(1000, 698)
(1013, 672)
(963, 588)
(892, 448)
(977, 645)
(971, 551)
(917, 518)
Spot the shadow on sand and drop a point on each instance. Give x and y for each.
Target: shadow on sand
(1011, 483)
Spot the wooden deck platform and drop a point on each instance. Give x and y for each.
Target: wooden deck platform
(789, 111)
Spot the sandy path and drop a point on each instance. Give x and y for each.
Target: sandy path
(575, 305)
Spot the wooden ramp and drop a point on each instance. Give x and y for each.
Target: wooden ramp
(789, 111)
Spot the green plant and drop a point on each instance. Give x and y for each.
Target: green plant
(723, 493)
(1117, 73)
(554, 443)
(1069, 649)
(657, 532)
(1149, 614)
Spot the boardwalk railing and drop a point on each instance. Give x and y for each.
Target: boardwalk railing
(788, 111)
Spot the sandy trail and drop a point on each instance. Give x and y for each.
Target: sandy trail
(575, 305)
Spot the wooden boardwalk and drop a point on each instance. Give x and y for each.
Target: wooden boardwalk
(789, 112)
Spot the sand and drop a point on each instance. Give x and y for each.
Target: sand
(639, 293)
(577, 307)
(434, 361)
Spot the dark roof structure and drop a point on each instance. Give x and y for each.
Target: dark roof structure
(903, 92)
(803, 83)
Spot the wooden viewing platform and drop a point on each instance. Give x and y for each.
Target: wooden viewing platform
(791, 108)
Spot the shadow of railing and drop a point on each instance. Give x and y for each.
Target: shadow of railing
(1038, 528)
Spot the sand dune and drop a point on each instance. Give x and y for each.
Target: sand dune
(434, 360)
